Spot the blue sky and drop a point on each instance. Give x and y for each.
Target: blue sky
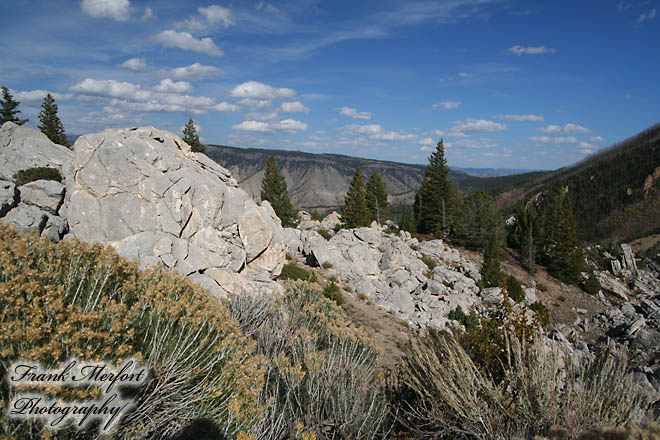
(505, 83)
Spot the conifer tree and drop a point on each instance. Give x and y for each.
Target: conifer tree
(491, 272)
(475, 217)
(9, 109)
(354, 212)
(376, 195)
(191, 138)
(51, 125)
(274, 189)
(433, 201)
(525, 234)
(565, 255)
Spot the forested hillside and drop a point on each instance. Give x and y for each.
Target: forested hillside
(616, 192)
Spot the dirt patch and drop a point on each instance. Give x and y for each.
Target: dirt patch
(644, 243)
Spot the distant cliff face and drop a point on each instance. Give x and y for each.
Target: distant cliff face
(320, 180)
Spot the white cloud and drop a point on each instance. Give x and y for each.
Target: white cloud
(462, 128)
(195, 71)
(148, 14)
(465, 75)
(550, 129)
(167, 85)
(217, 14)
(262, 116)
(447, 104)
(426, 148)
(471, 144)
(554, 140)
(287, 125)
(376, 132)
(426, 141)
(531, 50)
(255, 104)
(353, 113)
(39, 95)
(185, 41)
(192, 24)
(257, 90)
(647, 16)
(521, 118)
(586, 147)
(119, 10)
(132, 97)
(597, 139)
(135, 64)
(294, 107)
(574, 128)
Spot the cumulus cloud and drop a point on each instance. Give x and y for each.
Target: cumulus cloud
(650, 15)
(133, 97)
(195, 71)
(531, 50)
(135, 64)
(376, 132)
(211, 15)
(119, 10)
(554, 140)
(426, 141)
(287, 125)
(255, 104)
(521, 118)
(569, 128)
(464, 128)
(471, 144)
(353, 113)
(217, 14)
(597, 139)
(586, 147)
(257, 90)
(448, 105)
(425, 148)
(185, 41)
(262, 116)
(167, 85)
(294, 107)
(148, 14)
(465, 75)
(38, 95)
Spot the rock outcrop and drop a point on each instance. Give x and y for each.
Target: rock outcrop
(145, 192)
(35, 205)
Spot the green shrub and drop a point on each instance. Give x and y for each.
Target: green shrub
(592, 285)
(69, 299)
(331, 291)
(322, 378)
(514, 289)
(31, 174)
(325, 234)
(542, 313)
(430, 262)
(470, 321)
(442, 393)
(327, 265)
(291, 271)
(542, 287)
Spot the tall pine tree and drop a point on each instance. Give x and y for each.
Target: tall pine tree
(51, 125)
(191, 138)
(491, 272)
(564, 252)
(9, 109)
(433, 204)
(475, 217)
(355, 213)
(376, 196)
(274, 189)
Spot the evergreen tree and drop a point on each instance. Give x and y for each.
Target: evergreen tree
(274, 189)
(525, 234)
(355, 213)
(9, 109)
(491, 272)
(376, 195)
(433, 202)
(565, 255)
(191, 138)
(51, 125)
(475, 218)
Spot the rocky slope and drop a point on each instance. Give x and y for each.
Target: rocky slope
(145, 193)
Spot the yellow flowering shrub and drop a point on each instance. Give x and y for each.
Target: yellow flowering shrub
(70, 299)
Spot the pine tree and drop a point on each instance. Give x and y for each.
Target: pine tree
(525, 234)
(491, 272)
(433, 201)
(51, 125)
(190, 137)
(566, 258)
(355, 213)
(475, 217)
(274, 189)
(9, 109)
(376, 195)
